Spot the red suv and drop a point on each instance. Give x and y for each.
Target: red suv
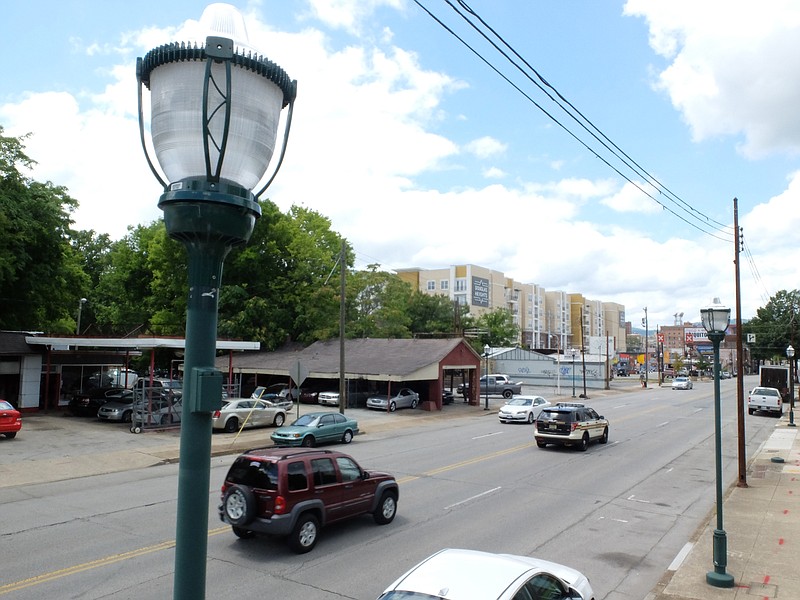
(293, 492)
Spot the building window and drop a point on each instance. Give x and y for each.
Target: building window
(444, 284)
(461, 299)
(431, 286)
(461, 284)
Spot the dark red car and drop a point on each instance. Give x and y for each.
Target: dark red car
(10, 420)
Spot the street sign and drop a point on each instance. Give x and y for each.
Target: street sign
(298, 373)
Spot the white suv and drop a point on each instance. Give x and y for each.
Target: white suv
(570, 424)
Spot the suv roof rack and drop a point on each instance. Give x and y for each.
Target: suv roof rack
(286, 451)
(570, 405)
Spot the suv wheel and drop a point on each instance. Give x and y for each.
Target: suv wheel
(347, 437)
(231, 425)
(541, 444)
(279, 420)
(386, 510)
(239, 505)
(584, 442)
(304, 535)
(604, 437)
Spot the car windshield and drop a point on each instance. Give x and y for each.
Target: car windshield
(306, 421)
(521, 402)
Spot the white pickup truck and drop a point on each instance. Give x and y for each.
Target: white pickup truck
(765, 398)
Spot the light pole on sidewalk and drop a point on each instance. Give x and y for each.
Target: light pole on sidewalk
(715, 321)
(790, 355)
(215, 108)
(486, 357)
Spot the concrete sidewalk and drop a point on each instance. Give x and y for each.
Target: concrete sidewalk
(762, 523)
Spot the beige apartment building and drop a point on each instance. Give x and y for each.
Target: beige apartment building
(546, 319)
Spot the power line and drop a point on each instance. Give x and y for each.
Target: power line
(699, 220)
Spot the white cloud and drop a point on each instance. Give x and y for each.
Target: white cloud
(631, 199)
(732, 68)
(486, 147)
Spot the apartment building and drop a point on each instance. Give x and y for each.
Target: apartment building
(546, 319)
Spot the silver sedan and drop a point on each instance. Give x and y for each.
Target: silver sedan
(404, 398)
(247, 412)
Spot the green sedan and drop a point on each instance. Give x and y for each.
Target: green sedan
(315, 428)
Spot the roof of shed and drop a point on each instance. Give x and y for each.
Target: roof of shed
(375, 358)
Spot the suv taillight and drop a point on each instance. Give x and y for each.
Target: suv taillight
(573, 426)
(215, 414)
(280, 505)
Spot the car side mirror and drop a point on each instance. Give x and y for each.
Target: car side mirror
(364, 475)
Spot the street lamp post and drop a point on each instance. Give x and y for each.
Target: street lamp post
(573, 352)
(486, 357)
(80, 310)
(715, 321)
(790, 355)
(215, 108)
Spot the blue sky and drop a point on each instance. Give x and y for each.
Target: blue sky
(423, 156)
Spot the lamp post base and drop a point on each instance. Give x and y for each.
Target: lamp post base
(720, 580)
(719, 577)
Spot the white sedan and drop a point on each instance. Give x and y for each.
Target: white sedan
(475, 575)
(404, 398)
(523, 409)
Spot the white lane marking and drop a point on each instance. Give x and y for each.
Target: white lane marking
(488, 435)
(680, 557)
(665, 423)
(486, 493)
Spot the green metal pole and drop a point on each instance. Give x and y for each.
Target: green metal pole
(209, 225)
(718, 577)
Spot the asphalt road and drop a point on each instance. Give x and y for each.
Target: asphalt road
(619, 513)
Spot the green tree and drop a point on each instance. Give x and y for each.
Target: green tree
(434, 315)
(41, 279)
(500, 329)
(377, 304)
(279, 287)
(776, 326)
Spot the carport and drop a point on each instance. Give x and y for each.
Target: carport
(423, 365)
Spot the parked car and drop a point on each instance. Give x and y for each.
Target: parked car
(275, 399)
(293, 493)
(522, 409)
(328, 398)
(402, 398)
(119, 409)
(471, 574)
(247, 412)
(87, 404)
(570, 424)
(681, 383)
(765, 399)
(278, 389)
(159, 386)
(447, 397)
(10, 420)
(316, 427)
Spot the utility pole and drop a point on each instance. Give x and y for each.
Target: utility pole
(646, 349)
(739, 355)
(342, 302)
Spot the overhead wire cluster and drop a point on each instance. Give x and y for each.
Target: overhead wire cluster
(608, 152)
(579, 126)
